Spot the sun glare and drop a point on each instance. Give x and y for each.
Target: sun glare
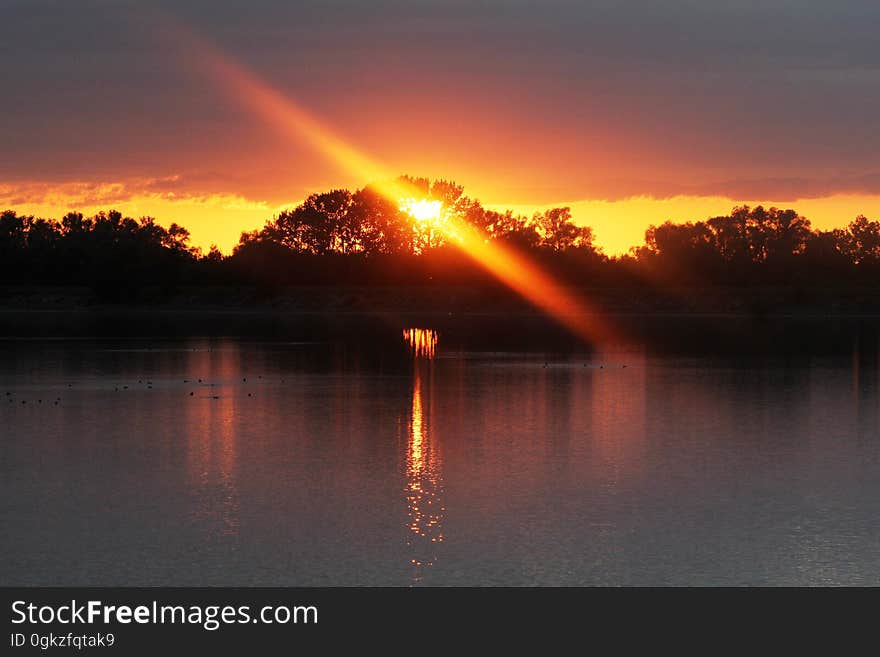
(514, 269)
(424, 210)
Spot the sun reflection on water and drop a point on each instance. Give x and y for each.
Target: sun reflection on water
(212, 445)
(422, 342)
(424, 481)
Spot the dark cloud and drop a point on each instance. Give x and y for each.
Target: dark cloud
(606, 98)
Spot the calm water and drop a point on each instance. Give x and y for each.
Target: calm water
(415, 461)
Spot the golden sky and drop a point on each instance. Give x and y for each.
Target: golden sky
(630, 117)
(220, 218)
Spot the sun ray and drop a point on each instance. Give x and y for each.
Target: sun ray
(297, 124)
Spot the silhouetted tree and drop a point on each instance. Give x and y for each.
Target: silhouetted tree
(340, 237)
(558, 232)
(860, 242)
(318, 226)
(382, 226)
(730, 237)
(824, 259)
(114, 254)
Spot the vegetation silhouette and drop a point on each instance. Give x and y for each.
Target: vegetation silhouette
(362, 238)
(115, 255)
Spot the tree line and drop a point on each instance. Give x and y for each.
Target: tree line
(109, 252)
(369, 223)
(364, 238)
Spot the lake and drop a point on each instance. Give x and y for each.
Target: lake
(412, 454)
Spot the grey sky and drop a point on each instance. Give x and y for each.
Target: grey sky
(745, 98)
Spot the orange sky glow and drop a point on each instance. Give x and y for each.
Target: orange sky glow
(220, 218)
(142, 115)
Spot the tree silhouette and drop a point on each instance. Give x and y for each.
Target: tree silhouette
(558, 231)
(860, 242)
(382, 227)
(112, 253)
(343, 237)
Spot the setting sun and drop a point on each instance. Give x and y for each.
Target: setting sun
(361, 295)
(424, 210)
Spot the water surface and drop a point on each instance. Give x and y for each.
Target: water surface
(410, 460)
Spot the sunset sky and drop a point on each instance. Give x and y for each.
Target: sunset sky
(629, 112)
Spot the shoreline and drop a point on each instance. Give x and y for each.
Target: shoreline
(351, 301)
(785, 330)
